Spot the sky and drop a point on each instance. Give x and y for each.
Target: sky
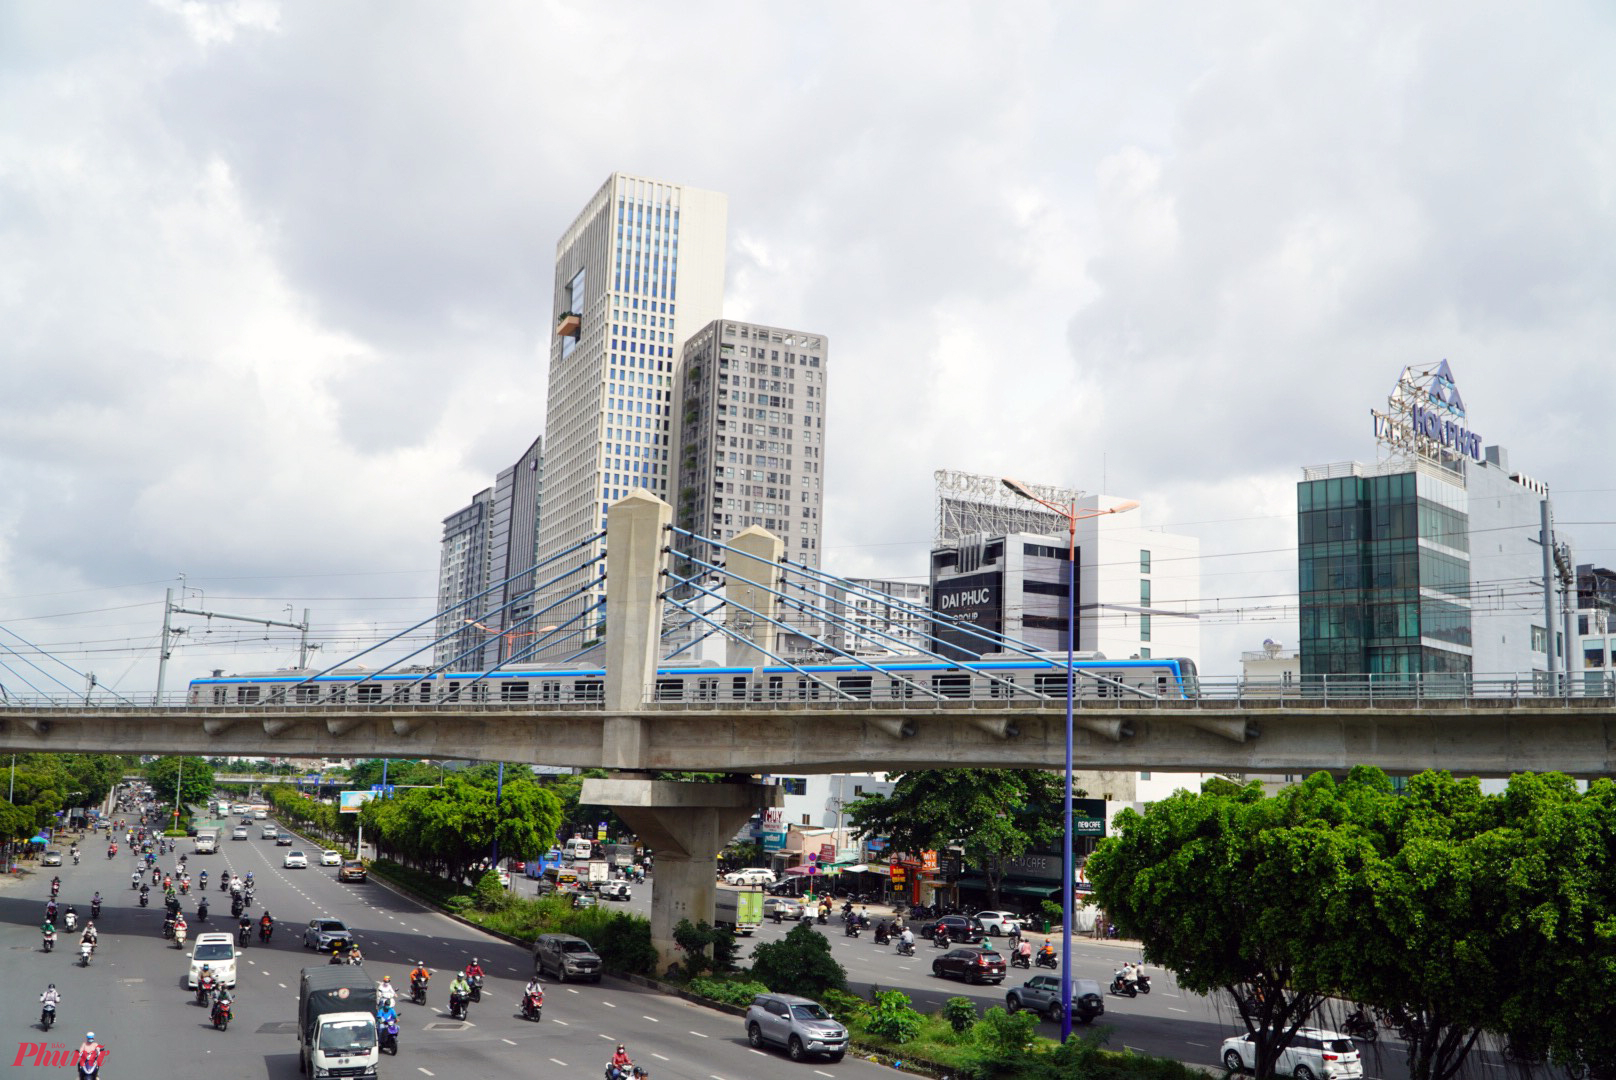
(275, 277)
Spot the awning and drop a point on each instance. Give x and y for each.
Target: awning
(1011, 888)
(800, 871)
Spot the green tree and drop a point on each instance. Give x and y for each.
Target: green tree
(193, 774)
(800, 963)
(993, 814)
(456, 824)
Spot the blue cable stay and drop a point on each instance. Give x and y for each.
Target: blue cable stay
(718, 605)
(88, 678)
(310, 679)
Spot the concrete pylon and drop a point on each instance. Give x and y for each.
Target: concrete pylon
(753, 562)
(686, 826)
(636, 533)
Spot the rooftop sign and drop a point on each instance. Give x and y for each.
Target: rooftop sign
(1425, 417)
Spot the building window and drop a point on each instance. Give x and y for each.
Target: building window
(795, 785)
(805, 821)
(1144, 654)
(1540, 639)
(1144, 562)
(1144, 628)
(1144, 592)
(1142, 776)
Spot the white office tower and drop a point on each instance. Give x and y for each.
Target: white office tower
(638, 271)
(1139, 586)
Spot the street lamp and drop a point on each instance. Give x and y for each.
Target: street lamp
(1072, 517)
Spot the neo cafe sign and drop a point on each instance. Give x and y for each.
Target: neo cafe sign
(1425, 414)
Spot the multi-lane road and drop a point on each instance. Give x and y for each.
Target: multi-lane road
(134, 1000)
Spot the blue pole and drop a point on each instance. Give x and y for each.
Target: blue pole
(499, 790)
(1066, 834)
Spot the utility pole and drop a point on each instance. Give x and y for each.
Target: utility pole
(1546, 539)
(169, 610)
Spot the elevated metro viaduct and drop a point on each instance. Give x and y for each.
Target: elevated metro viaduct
(687, 824)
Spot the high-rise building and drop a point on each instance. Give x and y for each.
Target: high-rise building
(752, 435)
(1428, 563)
(877, 617)
(638, 271)
(462, 574)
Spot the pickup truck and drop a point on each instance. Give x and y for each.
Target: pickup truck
(336, 1022)
(1041, 994)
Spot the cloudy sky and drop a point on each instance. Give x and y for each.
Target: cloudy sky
(275, 277)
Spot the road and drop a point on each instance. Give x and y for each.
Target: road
(133, 998)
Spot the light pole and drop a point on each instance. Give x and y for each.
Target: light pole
(1072, 518)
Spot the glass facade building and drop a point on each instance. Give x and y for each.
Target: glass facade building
(1384, 574)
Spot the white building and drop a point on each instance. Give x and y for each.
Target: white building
(638, 271)
(1139, 590)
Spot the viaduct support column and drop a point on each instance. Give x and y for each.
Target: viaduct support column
(636, 533)
(686, 825)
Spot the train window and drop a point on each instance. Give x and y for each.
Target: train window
(550, 691)
(808, 689)
(368, 693)
(777, 687)
(901, 689)
(1052, 684)
(738, 688)
(453, 692)
(277, 695)
(246, 695)
(338, 695)
(954, 686)
(674, 690)
(1002, 687)
(423, 692)
(589, 690)
(305, 695)
(221, 696)
(854, 685)
(513, 690)
(1161, 686)
(707, 689)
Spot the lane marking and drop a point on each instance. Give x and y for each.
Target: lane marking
(429, 1072)
(508, 1042)
(608, 1004)
(599, 1035)
(653, 1019)
(659, 1057)
(561, 1063)
(698, 1034)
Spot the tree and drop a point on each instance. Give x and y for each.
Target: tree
(456, 824)
(993, 814)
(194, 776)
(799, 963)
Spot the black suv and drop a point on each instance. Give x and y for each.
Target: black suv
(961, 928)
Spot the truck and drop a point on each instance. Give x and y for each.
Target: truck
(336, 1022)
(207, 841)
(600, 872)
(621, 856)
(740, 910)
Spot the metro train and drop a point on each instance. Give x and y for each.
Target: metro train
(996, 677)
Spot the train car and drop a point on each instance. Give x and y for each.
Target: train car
(559, 685)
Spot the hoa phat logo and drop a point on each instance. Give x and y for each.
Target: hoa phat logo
(47, 1054)
(1426, 415)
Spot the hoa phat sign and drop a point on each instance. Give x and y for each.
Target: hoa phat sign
(1425, 416)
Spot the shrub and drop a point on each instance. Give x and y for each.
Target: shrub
(1002, 1036)
(729, 991)
(489, 894)
(693, 940)
(891, 1017)
(960, 1012)
(800, 963)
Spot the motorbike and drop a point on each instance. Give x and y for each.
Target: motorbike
(56, 887)
(264, 932)
(156, 877)
(1046, 959)
(71, 920)
(823, 918)
(134, 880)
(851, 930)
(47, 1016)
(168, 927)
(50, 942)
(112, 852)
(185, 887)
(939, 940)
(95, 909)
(1017, 960)
(204, 992)
(1123, 988)
(906, 948)
(202, 910)
(222, 1015)
(75, 858)
(533, 1006)
(242, 934)
(387, 1036)
(476, 987)
(1359, 1026)
(418, 990)
(236, 908)
(627, 1072)
(86, 950)
(179, 936)
(458, 1005)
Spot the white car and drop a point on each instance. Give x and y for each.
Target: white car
(752, 875)
(238, 833)
(996, 923)
(218, 951)
(330, 858)
(1314, 1054)
(296, 860)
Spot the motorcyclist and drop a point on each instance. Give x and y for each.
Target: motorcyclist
(1046, 954)
(50, 999)
(621, 1064)
(474, 978)
(419, 975)
(266, 927)
(205, 984)
(386, 993)
(95, 906)
(47, 932)
(50, 910)
(89, 934)
(134, 879)
(202, 909)
(386, 1013)
(882, 933)
(906, 940)
(180, 929)
(244, 928)
(56, 886)
(220, 1004)
(248, 879)
(202, 877)
(1024, 950)
(940, 937)
(460, 989)
(90, 1053)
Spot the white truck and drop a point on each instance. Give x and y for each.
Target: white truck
(740, 910)
(600, 872)
(336, 1022)
(207, 842)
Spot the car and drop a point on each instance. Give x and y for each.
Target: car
(239, 833)
(260, 815)
(284, 839)
(326, 934)
(784, 907)
(504, 877)
(996, 923)
(791, 886)
(296, 860)
(972, 965)
(330, 858)
(582, 899)
(218, 951)
(268, 832)
(799, 1024)
(961, 928)
(616, 890)
(751, 875)
(351, 870)
(1314, 1054)
(51, 858)
(565, 957)
(190, 830)
(1041, 994)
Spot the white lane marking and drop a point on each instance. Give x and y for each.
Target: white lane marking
(599, 1035)
(508, 1042)
(608, 1004)
(653, 1019)
(429, 1072)
(1175, 1008)
(281, 985)
(760, 1053)
(563, 1023)
(564, 1065)
(698, 1034)
(659, 1057)
(570, 990)
(822, 1072)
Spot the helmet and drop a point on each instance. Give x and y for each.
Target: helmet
(52, 986)
(89, 1036)
(387, 978)
(473, 959)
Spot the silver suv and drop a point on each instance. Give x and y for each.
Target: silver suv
(799, 1024)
